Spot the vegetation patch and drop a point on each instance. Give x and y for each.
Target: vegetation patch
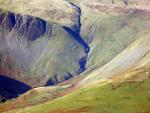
(129, 97)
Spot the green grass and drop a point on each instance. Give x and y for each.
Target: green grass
(40, 97)
(33, 97)
(131, 97)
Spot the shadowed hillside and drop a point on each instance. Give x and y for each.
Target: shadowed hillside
(10, 88)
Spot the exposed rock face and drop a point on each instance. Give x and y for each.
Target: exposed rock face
(16, 32)
(26, 26)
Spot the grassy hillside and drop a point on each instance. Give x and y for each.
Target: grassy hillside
(131, 96)
(123, 61)
(110, 30)
(34, 97)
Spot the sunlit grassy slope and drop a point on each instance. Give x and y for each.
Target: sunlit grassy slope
(35, 96)
(110, 31)
(123, 61)
(130, 96)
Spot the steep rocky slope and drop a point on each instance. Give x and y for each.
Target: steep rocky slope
(33, 46)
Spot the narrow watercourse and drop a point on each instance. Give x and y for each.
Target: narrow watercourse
(75, 33)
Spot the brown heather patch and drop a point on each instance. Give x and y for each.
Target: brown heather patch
(6, 107)
(134, 75)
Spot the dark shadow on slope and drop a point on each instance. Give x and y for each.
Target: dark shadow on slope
(10, 88)
(50, 83)
(12, 19)
(77, 37)
(8, 20)
(82, 63)
(36, 29)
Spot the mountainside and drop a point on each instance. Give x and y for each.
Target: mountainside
(109, 31)
(66, 48)
(119, 95)
(123, 61)
(33, 51)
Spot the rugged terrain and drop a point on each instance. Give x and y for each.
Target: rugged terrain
(75, 56)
